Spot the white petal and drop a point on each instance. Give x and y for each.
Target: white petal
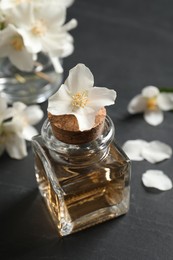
(156, 151)
(23, 60)
(85, 120)
(70, 25)
(57, 64)
(153, 117)
(60, 102)
(19, 106)
(8, 113)
(13, 126)
(3, 104)
(33, 114)
(20, 14)
(68, 3)
(100, 97)
(80, 78)
(133, 149)
(67, 49)
(16, 147)
(150, 91)
(32, 43)
(165, 101)
(51, 14)
(137, 105)
(29, 132)
(156, 179)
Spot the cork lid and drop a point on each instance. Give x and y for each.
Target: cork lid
(66, 129)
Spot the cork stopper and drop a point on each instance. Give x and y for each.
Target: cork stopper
(66, 129)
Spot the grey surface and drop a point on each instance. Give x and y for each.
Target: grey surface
(127, 44)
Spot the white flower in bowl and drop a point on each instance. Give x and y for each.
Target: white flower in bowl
(12, 46)
(152, 103)
(42, 27)
(38, 26)
(79, 97)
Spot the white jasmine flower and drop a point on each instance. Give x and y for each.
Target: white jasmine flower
(12, 141)
(27, 117)
(14, 132)
(77, 96)
(42, 28)
(153, 152)
(156, 179)
(12, 46)
(152, 103)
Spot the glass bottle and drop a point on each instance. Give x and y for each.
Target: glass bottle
(84, 184)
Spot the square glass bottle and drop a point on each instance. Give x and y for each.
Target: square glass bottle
(82, 184)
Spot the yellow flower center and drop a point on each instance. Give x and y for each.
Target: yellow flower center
(152, 103)
(80, 99)
(39, 28)
(17, 43)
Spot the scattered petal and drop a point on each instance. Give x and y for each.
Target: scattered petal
(156, 179)
(165, 101)
(150, 91)
(156, 151)
(133, 149)
(153, 117)
(137, 105)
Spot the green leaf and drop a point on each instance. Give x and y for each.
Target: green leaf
(168, 90)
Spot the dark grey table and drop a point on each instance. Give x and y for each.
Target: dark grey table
(127, 44)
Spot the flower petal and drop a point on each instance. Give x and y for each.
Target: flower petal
(3, 104)
(31, 42)
(5, 112)
(16, 147)
(156, 151)
(156, 179)
(60, 102)
(85, 120)
(137, 105)
(57, 64)
(104, 97)
(33, 114)
(133, 149)
(29, 132)
(70, 25)
(165, 101)
(80, 78)
(19, 106)
(23, 60)
(51, 14)
(153, 117)
(150, 91)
